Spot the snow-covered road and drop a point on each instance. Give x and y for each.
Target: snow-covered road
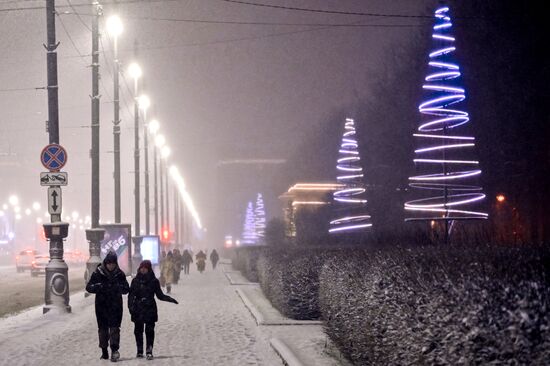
(210, 326)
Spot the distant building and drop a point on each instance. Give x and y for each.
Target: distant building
(307, 201)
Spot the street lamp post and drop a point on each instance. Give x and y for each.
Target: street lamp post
(165, 153)
(114, 27)
(159, 142)
(135, 73)
(56, 284)
(144, 104)
(95, 234)
(153, 129)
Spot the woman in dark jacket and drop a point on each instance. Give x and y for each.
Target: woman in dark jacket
(143, 307)
(108, 283)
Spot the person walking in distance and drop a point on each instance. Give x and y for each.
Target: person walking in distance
(167, 271)
(201, 261)
(177, 265)
(108, 283)
(143, 307)
(187, 259)
(214, 258)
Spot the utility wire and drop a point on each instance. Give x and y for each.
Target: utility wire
(79, 17)
(82, 57)
(20, 89)
(227, 22)
(234, 40)
(327, 11)
(82, 4)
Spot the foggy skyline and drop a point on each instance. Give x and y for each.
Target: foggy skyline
(218, 90)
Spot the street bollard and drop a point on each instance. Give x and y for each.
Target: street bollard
(136, 257)
(94, 237)
(56, 290)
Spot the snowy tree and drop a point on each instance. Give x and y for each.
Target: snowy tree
(349, 199)
(443, 162)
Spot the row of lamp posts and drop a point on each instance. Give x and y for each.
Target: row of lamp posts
(57, 284)
(141, 104)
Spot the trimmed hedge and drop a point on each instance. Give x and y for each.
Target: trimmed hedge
(432, 305)
(245, 259)
(289, 278)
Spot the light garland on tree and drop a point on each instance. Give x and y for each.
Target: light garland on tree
(350, 198)
(259, 213)
(249, 227)
(452, 197)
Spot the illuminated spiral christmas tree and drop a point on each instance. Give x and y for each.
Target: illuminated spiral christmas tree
(348, 200)
(259, 213)
(249, 227)
(444, 158)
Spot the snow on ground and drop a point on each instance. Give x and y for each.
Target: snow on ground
(20, 291)
(305, 339)
(210, 326)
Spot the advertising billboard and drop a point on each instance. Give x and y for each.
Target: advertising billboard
(118, 238)
(150, 248)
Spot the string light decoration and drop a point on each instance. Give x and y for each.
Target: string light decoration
(444, 158)
(249, 227)
(259, 214)
(349, 198)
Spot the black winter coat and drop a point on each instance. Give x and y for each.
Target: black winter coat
(141, 300)
(108, 288)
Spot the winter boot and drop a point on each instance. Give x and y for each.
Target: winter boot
(104, 354)
(115, 355)
(149, 353)
(139, 354)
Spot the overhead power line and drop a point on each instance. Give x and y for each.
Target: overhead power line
(322, 11)
(4, 10)
(228, 22)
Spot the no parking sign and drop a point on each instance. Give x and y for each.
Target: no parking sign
(53, 157)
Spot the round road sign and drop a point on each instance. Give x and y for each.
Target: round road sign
(53, 157)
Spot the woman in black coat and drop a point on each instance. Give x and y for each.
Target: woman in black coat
(108, 283)
(143, 307)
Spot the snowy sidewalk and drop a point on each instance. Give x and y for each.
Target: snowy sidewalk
(298, 342)
(210, 326)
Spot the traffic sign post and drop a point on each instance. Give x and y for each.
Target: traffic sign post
(53, 158)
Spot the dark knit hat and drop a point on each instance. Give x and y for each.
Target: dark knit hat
(146, 264)
(111, 257)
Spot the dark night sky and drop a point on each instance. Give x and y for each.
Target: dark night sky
(218, 90)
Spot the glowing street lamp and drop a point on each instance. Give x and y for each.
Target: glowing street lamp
(135, 73)
(154, 126)
(36, 206)
(13, 200)
(160, 141)
(114, 26)
(501, 198)
(165, 152)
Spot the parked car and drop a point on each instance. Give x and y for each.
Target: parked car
(38, 265)
(24, 260)
(76, 257)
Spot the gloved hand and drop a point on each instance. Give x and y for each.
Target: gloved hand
(173, 301)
